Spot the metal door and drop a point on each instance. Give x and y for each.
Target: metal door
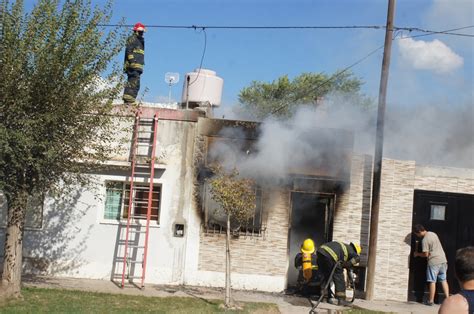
(451, 217)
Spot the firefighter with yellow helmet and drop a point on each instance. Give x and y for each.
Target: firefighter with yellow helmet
(306, 261)
(337, 255)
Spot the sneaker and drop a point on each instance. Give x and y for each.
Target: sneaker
(428, 303)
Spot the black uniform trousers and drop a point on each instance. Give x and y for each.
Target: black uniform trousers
(325, 265)
(132, 87)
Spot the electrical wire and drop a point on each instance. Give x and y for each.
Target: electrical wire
(430, 32)
(397, 33)
(202, 57)
(250, 27)
(334, 76)
(410, 29)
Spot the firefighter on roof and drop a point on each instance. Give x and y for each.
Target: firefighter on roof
(339, 255)
(134, 62)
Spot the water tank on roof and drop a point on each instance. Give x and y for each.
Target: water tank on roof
(201, 87)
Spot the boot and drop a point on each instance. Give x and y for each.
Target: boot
(333, 301)
(343, 302)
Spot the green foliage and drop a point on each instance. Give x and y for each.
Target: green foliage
(235, 195)
(37, 300)
(282, 96)
(56, 92)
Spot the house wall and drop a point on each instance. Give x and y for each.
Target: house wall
(399, 181)
(258, 262)
(76, 241)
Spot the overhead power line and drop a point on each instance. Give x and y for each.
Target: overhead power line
(338, 74)
(250, 27)
(431, 32)
(230, 27)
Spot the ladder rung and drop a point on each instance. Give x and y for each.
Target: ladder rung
(140, 187)
(144, 144)
(144, 132)
(135, 262)
(136, 246)
(136, 231)
(127, 277)
(141, 173)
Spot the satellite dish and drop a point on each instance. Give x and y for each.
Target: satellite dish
(171, 78)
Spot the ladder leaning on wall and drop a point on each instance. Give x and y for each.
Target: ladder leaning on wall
(142, 165)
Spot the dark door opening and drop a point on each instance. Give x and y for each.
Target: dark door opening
(451, 217)
(311, 217)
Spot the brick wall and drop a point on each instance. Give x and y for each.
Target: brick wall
(394, 234)
(352, 214)
(266, 255)
(445, 179)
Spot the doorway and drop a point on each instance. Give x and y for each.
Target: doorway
(450, 216)
(311, 217)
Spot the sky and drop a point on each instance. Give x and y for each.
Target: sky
(430, 100)
(437, 68)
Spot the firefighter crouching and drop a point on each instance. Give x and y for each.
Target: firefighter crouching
(328, 255)
(134, 62)
(306, 262)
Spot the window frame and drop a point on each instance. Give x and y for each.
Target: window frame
(248, 230)
(123, 206)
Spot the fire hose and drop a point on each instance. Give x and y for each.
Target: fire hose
(326, 285)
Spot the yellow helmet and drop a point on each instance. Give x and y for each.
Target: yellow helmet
(356, 247)
(307, 246)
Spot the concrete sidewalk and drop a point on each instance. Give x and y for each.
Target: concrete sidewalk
(286, 304)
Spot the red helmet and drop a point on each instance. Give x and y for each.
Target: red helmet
(139, 27)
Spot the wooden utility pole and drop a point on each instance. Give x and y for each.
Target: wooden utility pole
(374, 213)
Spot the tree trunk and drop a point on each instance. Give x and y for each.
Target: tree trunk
(228, 299)
(13, 255)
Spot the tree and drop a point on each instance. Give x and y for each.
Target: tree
(236, 197)
(281, 96)
(56, 94)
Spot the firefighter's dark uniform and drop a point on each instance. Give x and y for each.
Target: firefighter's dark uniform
(133, 66)
(328, 255)
(306, 286)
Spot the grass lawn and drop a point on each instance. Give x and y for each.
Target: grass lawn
(38, 300)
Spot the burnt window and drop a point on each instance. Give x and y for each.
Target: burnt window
(215, 219)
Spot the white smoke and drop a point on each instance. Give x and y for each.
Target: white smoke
(429, 55)
(430, 135)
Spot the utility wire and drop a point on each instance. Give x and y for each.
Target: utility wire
(410, 29)
(430, 32)
(202, 57)
(336, 75)
(251, 27)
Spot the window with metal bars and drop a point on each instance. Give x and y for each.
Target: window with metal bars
(118, 196)
(216, 219)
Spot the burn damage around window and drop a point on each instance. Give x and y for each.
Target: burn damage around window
(215, 219)
(241, 138)
(229, 142)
